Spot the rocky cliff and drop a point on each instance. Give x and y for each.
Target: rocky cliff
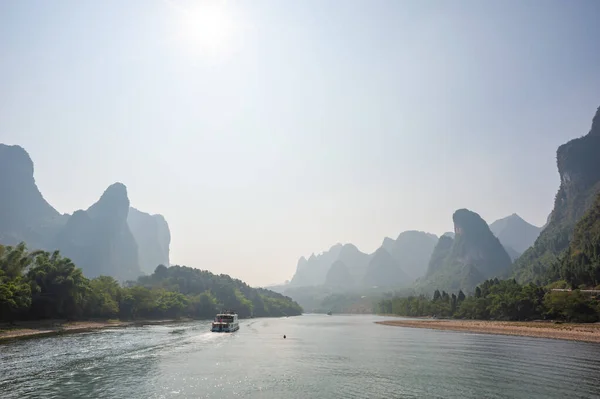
(474, 255)
(579, 169)
(24, 213)
(439, 254)
(99, 240)
(476, 245)
(153, 237)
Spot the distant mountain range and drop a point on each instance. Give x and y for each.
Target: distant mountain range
(565, 248)
(397, 262)
(412, 250)
(384, 270)
(108, 238)
(515, 233)
(416, 255)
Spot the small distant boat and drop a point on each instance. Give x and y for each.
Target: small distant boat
(225, 322)
(329, 313)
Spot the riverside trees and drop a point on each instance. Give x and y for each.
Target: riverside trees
(499, 300)
(42, 285)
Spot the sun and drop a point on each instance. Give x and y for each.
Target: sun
(206, 26)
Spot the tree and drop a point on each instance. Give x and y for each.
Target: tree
(15, 296)
(58, 288)
(445, 297)
(15, 260)
(473, 308)
(15, 292)
(39, 285)
(453, 304)
(138, 301)
(171, 304)
(104, 297)
(161, 272)
(203, 305)
(571, 306)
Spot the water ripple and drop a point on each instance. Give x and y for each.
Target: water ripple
(322, 357)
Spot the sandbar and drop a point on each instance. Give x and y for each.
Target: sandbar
(585, 332)
(35, 329)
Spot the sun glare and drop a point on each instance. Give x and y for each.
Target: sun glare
(206, 26)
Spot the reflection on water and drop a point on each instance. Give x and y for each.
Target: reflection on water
(322, 357)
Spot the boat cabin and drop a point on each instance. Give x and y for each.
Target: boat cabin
(225, 322)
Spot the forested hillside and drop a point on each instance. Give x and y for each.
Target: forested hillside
(580, 264)
(42, 285)
(579, 169)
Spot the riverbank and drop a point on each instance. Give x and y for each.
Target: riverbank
(566, 331)
(36, 329)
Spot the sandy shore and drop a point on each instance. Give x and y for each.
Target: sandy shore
(567, 331)
(24, 330)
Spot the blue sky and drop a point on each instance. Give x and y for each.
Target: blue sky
(300, 124)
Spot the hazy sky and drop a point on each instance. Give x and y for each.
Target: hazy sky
(264, 130)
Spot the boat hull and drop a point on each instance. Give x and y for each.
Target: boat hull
(225, 329)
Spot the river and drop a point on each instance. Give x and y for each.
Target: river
(335, 356)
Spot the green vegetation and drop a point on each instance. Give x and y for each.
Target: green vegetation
(533, 264)
(500, 300)
(580, 263)
(41, 285)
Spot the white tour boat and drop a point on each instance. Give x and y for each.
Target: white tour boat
(226, 322)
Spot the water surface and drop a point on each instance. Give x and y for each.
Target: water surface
(323, 357)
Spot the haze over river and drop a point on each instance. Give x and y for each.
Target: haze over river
(323, 357)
